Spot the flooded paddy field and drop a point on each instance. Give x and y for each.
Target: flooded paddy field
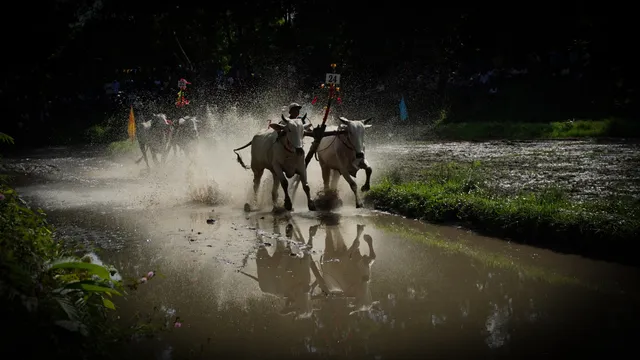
(354, 283)
(585, 169)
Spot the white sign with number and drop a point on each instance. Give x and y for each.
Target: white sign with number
(333, 79)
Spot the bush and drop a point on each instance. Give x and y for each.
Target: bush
(528, 131)
(53, 302)
(98, 134)
(47, 295)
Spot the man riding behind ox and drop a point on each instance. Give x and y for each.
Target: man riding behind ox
(294, 110)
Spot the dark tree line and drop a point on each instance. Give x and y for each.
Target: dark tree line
(578, 58)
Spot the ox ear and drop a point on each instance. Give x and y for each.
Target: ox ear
(276, 126)
(284, 119)
(344, 120)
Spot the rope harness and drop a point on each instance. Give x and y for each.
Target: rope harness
(340, 136)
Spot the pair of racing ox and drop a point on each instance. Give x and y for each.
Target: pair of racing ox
(280, 150)
(159, 134)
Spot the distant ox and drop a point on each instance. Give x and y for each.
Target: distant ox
(154, 135)
(184, 134)
(279, 150)
(343, 154)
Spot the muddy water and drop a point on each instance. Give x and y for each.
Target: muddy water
(265, 286)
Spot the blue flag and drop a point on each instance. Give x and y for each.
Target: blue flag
(404, 114)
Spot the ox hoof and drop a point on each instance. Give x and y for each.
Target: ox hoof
(359, 205)
(312, 206)
(365, 187)
(247, 207)
(287, 205)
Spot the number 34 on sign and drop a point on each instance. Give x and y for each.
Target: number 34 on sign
(333, 79)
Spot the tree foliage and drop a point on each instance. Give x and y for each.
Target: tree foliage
(75, 46)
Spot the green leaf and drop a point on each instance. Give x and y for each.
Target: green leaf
(71, 311)
(92, 268)
(6, 138)
(90, 286)
(108, 304)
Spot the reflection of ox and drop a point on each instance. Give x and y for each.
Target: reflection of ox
(345, 270)
(343, 154)
(280, 151)
(285, 273)
(154, 135)
(184, 135)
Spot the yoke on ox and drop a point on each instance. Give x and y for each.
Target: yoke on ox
(279, 150)
(342, 154)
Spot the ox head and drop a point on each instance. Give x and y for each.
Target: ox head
(293, 130)
(355, 132)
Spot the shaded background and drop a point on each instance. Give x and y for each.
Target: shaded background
(533, 61)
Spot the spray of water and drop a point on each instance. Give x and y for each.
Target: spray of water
(213, 176)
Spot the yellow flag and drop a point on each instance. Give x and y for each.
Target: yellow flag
(132, 125)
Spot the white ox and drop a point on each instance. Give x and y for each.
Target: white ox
(279, 150)
(343, 154)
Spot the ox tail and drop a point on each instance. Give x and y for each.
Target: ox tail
(239, 159)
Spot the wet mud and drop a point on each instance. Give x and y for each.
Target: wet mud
(351, 283)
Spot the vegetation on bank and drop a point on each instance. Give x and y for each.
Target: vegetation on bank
(53, 302)
(458, 193)
(616, 128)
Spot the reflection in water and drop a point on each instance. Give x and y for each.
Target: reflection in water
(421, 298)
(343, 275)
(345, 270)
(286, 273)
(338, 303)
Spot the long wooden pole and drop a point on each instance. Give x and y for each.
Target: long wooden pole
(320, 134)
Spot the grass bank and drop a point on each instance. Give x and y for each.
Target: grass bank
(458, 193)
(122, 147)
(614, 128)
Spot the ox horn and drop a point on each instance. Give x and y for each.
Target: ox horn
(284, 118)
(304, 118)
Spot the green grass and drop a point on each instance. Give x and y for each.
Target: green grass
(458, 193)
(531, 131)
(122, 147)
